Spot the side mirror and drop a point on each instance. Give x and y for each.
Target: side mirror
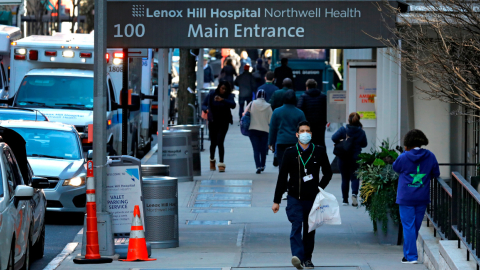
(9, 101)
(40, 182)
(23, 192)
(135, 106)
(90, 155)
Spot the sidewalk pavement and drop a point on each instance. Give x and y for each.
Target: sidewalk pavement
(252, 235)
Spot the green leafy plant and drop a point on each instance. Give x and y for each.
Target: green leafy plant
(379, 185)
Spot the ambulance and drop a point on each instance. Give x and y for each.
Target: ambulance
(8, 34)
(54, 74)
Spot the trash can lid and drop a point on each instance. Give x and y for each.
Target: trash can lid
(158, 178)
(176, 131)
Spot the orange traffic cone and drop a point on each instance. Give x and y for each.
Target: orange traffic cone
(137, 245)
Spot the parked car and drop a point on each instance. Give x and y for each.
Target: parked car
(22, 205)
(14, 113)
(55, 152)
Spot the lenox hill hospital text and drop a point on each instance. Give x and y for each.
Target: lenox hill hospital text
(254, 30)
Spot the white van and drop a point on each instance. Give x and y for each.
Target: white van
(54, 74)
(8, 34)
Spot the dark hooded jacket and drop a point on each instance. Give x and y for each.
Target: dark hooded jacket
(219, 111)
(416, 168)
(314, 105)
(353, 132)
(281, 73)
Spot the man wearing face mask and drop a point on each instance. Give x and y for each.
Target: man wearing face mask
(300, 173)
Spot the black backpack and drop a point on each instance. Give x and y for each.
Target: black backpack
(344, 148)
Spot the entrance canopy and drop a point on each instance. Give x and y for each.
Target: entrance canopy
(247, 24)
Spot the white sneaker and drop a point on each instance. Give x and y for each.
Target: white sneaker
(406, 261)
(297, 263)
(345, 204)
(354, 200)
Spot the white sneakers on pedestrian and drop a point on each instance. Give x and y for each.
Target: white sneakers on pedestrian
(354, 200)
(297, 263)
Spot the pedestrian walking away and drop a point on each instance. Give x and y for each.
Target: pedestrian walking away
(300, 172)
(208, 77)
(259, 74)
(416, 167)
(277, 98)
(314, 104)
(228, 72)
(348, 165)
(244, 60)
(218, 104)
(260, 115)
(246, 86)
(282, 72)
(268, 87)
(283, 124)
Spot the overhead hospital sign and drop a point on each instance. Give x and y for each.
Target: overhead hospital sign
(254, 24)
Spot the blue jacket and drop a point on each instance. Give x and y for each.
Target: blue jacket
(355, 132)
(208, 75)
(283, 125)
(269, 89)
(416, 169)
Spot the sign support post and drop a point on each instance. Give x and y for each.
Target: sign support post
(125, 102)
(100, 128)
(162, 58)
(199, 83)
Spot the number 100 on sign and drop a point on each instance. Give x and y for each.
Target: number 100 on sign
(130, 30)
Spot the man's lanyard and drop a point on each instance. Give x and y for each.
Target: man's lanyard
(301, 159)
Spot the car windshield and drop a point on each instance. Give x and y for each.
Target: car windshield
(49, 143)
(56, 92)
(15, 115)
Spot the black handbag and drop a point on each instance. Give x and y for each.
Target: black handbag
(344, 148)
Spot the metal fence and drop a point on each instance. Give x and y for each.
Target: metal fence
(438, 211)
(465, 213)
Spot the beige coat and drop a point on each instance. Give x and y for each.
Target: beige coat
(260, 115)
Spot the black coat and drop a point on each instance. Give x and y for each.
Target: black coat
(219, 111)
(227, 74)
(314, 105)
(292, 173)
(281, 73)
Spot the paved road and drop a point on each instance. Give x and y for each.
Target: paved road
(59, 231)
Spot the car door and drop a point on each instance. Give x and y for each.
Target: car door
(18, 210)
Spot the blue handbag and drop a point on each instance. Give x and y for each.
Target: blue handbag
(245, 124)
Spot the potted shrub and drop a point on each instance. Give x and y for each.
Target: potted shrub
(378, 192)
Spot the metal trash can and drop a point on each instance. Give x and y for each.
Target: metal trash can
(177, 153)
(155, 170)
(161, 211)
(195, 129)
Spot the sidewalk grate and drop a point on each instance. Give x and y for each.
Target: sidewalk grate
(209, 222)
(201, 211)
(221, 205)
(225, 190)
(291, 267)
(224, 197)
(226, 182)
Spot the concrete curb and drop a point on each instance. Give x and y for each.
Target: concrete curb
(67, 250)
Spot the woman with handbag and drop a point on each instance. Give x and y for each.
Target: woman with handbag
(260, 115)
(218, 105)
(351, 139)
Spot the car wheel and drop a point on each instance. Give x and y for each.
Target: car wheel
(26, 263)
(11, 258)
(39, 248)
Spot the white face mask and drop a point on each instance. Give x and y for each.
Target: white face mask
(305, 137)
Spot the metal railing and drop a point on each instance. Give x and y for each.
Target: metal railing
(465, 211)
(438, 211)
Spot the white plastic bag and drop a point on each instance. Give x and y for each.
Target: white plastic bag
(325, 210)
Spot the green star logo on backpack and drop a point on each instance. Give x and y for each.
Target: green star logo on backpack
(417, 178)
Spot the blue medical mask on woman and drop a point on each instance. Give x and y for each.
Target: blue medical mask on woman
(305, 137)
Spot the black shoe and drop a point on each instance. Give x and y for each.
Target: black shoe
(407, 261)
(308, 264)
(262, 169)
(275, 162)
(259, 171)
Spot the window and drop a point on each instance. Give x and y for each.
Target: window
(3, 73)
(11, 184)
(112, 93)
(14, 166)
(56, 91)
